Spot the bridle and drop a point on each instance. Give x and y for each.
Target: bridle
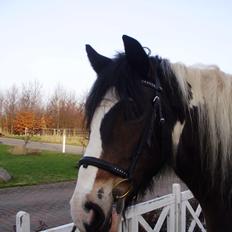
(127, 174)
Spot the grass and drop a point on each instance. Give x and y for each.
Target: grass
(43, 167)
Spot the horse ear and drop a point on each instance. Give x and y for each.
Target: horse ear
(97, 61)
(136, 56)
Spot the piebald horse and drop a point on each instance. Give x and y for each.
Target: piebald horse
(144, 114)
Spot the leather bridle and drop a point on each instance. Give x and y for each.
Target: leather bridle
(127, 174)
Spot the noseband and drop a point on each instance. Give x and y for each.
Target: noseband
(127, 174)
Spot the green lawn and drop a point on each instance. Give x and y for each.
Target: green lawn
(44, 167)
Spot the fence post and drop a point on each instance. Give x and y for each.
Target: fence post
(171, 217)
(25, 131)
(22, 222)
(64, 141)
(133, 224)
(177, 193)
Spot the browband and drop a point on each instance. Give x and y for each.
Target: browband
(102, 164)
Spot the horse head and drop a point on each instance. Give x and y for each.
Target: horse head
(126, 114)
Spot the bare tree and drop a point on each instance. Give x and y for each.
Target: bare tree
(10, 106)
(54, 106)
(65, 110)
(31, 97)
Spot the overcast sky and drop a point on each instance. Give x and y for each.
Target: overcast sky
(45, 40)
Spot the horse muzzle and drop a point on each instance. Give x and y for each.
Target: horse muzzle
(89, 215)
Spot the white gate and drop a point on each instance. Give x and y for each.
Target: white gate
(172, 215)
(175, 215)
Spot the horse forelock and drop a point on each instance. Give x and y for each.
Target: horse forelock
(118, 76)
(211, 94)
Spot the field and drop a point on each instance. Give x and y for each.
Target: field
(37, 168)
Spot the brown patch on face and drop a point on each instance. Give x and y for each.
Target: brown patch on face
(117, 187)
(119, 139)
(103, 175)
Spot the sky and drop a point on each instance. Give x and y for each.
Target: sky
(45, 40)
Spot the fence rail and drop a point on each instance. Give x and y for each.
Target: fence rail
(173, 210)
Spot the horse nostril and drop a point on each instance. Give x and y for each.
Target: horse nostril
(98, 218)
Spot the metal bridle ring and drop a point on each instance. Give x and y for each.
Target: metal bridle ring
(126, 193)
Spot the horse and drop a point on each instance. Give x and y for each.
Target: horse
(145, 114)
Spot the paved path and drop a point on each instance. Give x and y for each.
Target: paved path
(49, 204)
(42, 146)
(46, 204)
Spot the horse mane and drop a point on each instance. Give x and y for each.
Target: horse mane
(126, 84)
(116, 76)
(212, 94)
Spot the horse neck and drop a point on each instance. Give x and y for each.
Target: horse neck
(190, 166)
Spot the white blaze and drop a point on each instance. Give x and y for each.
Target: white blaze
(87, 176)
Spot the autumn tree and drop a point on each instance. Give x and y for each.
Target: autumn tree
(24, 107)
(26, 122)
(30, 109)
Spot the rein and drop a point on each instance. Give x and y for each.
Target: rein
(127, 175)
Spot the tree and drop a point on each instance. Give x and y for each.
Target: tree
(64, 110)
(18, 107)
(10, 107)
(31, 97)
(53, 107)
(27, 122)
(1, 112)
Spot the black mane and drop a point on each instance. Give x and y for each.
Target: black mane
(127, 84)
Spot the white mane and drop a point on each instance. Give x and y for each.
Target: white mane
(212, 93)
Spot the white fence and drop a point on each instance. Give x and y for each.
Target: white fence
(175, 215)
